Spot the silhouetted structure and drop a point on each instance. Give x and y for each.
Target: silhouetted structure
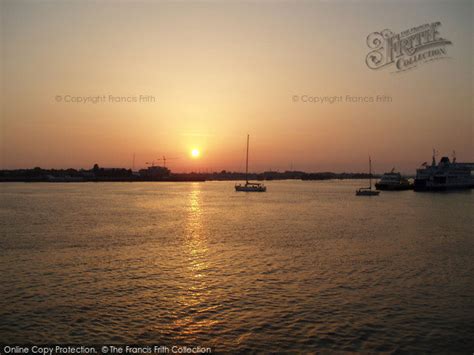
(155, 173)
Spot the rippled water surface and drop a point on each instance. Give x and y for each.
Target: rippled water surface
(307, 266)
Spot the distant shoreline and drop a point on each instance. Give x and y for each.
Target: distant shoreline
(210, 180)
(161, 174)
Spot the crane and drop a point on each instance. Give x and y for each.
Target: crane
(164, 159)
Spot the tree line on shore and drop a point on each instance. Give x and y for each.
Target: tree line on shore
(157, 173)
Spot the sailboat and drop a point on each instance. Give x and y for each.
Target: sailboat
(367, 191)
(249, 186)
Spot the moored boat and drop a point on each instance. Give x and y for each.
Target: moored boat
(249, 186)
(393, 181)
(367, 191)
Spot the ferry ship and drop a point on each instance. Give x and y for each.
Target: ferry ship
(393, 181)
(445, 175)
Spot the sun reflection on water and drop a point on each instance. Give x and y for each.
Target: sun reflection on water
(195, 238)
(196, 297)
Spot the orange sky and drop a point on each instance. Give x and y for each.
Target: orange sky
(220, 70)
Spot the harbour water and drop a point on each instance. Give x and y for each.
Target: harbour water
(306, 266)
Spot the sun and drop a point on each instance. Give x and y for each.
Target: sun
(195, 153)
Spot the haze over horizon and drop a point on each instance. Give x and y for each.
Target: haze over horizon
(220, 70)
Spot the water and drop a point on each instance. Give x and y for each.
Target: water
(307, 266)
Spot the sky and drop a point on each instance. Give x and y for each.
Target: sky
(205, 74)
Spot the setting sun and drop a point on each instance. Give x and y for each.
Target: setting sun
(195, 153)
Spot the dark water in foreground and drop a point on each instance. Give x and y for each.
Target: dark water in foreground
(306, 266)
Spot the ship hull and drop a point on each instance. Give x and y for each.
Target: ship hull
(384, 187)
(423, 186)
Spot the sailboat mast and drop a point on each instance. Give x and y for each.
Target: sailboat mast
(247, 162)
(370, 172)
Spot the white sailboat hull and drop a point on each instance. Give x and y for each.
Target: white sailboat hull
(251, 188)
(367, 192)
